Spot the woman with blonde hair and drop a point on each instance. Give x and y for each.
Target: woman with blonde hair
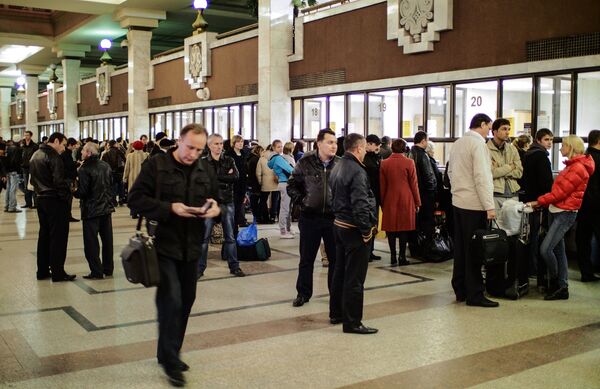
(564, 200)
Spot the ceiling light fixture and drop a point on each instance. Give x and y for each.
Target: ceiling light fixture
(200, 25)
(105, 44)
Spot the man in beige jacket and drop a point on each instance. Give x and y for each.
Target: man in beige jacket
(506, 164)
(472, 185)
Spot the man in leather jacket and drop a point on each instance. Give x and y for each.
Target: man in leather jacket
(227, 174)
(52, 191)
(29, 147)
(173, 189)
(95, 195)
(427, 184)
(353, 205)
(372, 164)
(308, 187)
(116, 159)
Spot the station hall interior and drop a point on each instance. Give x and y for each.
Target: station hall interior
(266, 70)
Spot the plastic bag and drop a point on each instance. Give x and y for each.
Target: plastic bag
(248, 236)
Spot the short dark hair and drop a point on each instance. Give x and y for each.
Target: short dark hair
(29, 132)
(420, 136)
(159, 135)
(71, 142)
(112, 143)
(143, 136)
(399, 146)
(55, 136)
(45, 138)
(385, 140)
(542, 132)
(275, 142)
(324, 132)
(196, 129)
(352, 140)
(594, 137)
(499, 123)
(478, 119)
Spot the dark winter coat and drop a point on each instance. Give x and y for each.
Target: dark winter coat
(94, 189)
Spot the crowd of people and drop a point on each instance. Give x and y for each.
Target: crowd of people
(335, 190)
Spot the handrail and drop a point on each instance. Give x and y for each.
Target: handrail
(326, 4)
(240, 30)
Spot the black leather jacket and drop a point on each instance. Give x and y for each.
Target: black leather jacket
(308, 185)
(48, 174)
(115, 159)
(239, 186)
(353, 201)
(27, 152)
(425, 174)
(221, 169)
(13, 159)
(176, 237)
(372, 164)
(94, 190)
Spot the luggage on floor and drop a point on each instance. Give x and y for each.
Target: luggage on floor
(509, 279)
(259, 251)
(490, 246)
(140, 261)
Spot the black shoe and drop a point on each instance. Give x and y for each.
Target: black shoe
(403, 262)
(43, 277)
(238, 272)
(482, 302)
(108, 274)
(591, 278)
(93, 276)
(200, 275)
(375, 257)
(65, 277)
(73, 220)
(335, 320)
(299, 301)
(394, 263)
(181, 365)
(460, 299)
(560, 294)
(33, 207)
(360, 329)
(175, 376)
(14, 211)
(26, 206)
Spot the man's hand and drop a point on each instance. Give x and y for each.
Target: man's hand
(213, 211)
(491, 214)
(180, 209)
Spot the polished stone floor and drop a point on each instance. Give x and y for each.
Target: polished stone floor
(244, 332)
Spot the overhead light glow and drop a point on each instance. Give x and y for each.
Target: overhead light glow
(17, 53)
(21, 81)
(200, 4)
(105, 44)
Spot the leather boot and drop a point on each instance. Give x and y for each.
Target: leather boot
(557, 293)
(393, 261)
(552, 287)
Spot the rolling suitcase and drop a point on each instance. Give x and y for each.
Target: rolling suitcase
(259, 251)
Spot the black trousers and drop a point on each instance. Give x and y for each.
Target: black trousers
(101, 225)
(425, 217)
(347, 287)
(29, 194)
(467, 281)
(255, 206)
(265, 212)
(312, 230)
(403, 237)
(175, 296)
(588, 225)
(240, 209)
(53, 215)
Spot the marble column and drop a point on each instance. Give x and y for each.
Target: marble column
(31, 104)
(70, 92)
(274, 46)
(137, 85)
(5, 93)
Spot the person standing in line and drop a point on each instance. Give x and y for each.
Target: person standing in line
(400, 200)
(116, 159)
(308, 187)
(13, 172)
(186, 188)
(470, 173)
(52, 191)
(224, 169)
(269, 186)
(133, 166)
(427, 184)
(564, 200)
(283, 169)
(298, 150)
(506, 164)
(253, 183)
(95, 196)
(238, 154)
(29, 147)
(353, 204)
(385, 151)
(70, 172)
(372, 164)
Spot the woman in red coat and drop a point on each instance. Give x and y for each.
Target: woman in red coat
(400, 199)
(564, 200)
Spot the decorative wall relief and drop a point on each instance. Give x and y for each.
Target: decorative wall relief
(51, 101)
(417, 23)
(103, 80)
(197, 62)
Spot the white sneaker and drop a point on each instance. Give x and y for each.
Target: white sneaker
(287, 236)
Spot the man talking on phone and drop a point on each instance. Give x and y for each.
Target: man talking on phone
(176, 190)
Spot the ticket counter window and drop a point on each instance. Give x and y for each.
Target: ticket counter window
(516, 105)
(383, 113)
(588, 101)
(337, 114)
(471, 99)
(412, 111)
(554, 104)
(438, 111)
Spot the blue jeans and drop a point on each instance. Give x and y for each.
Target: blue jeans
(12, 183)
(553, 246)
(229, 249)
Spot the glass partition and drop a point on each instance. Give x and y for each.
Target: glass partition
(356, 114)
(337, 114)
(554, 104)
(471, 99)
(516, 104)
(314, 116)
(438, 111)
(412, 111)
(588, 101)
(383, 113)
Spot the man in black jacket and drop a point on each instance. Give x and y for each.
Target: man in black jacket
(372, 164)
(29, 147)
(308, 187)
(353, 205)
(116, 159)
(95, 195)
(52, 191)
(226, 173)
(427, 184)
(588, 217)
(13, 172)
(176, 190)
(70, 170)
(537, 180)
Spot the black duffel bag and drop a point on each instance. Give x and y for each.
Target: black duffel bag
(140, 261)
(489, 246)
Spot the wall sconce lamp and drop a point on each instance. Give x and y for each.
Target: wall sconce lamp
(200, 25)
(105, 44)
(20, 97)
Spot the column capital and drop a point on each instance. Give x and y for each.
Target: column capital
(32, 70)
(6, 82)
(66, 50)
(139, 17)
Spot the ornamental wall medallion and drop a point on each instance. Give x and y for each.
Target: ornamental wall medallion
(197, 59)
(103, 80)
(417, 23)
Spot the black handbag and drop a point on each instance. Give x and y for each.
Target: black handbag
(440, 248)
(140, 261)
(490, 245)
